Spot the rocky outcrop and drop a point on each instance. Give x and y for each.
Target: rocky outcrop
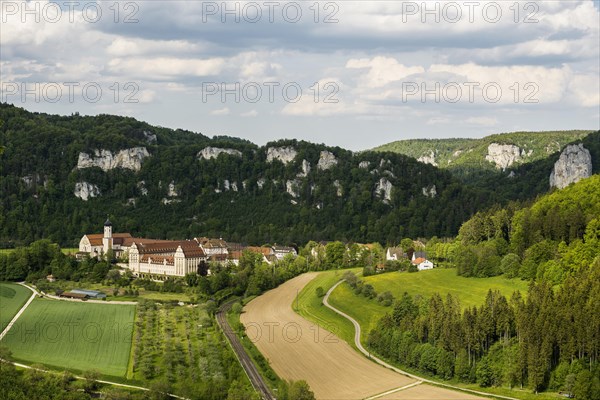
(150, 137)
(284, 154)
(209, 153)
(86, 190)
(305, 169)
(338, 186)
(172, 192)
(428, 159)
(292, 187)
(261, 183)
(106, 160)
(364, 164)
(503, 155)
(430, 191)
(574, 164)
(384, 190)
(326, 161)
(141, 185)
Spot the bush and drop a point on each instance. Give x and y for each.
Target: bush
(320, 291)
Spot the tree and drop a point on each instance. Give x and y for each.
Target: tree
(320, 291)
(299, 390)
(91, 384)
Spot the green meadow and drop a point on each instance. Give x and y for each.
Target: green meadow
(470, 291)
(75, 336)
(12, 298)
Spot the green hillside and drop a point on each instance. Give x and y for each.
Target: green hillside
(457, 154)
(178, 194)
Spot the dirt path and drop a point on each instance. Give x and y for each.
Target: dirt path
(298, 349)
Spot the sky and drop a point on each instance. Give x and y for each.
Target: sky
(354, 74)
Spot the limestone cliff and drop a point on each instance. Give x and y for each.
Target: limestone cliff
(86, 190)
(106, 160)
(574, 164)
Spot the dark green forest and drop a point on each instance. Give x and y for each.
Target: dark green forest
(38, 175)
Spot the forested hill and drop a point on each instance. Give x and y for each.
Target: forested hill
(495, 152)
(61, 175)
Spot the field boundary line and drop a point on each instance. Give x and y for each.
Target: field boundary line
(18, 314)
(124, 385)
(385, 364)
(417, 383)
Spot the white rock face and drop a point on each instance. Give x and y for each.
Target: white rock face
(86, 190)
(142, 186)
(213, 152)
(129, 159)
(150, 137)
(305, 169)
(574, 164)
(338, 186)
(428, 159)
(503, 155)
(384, 189)
(261, 183)
(226, 185)
(166, 201)
(364, 164)
(284, 154)
(326, 161)
(172, 190)
(234, 186)
(293, 188)
(430, 191)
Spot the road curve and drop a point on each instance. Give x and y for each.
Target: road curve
(246, 362)
(383, 363)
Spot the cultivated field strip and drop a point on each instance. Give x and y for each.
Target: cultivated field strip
(297, 349)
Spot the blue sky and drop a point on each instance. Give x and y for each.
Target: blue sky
(347, 73)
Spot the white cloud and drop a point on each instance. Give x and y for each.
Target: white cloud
(382, 70)
(165, 67)
(249, 114)
(221, 112)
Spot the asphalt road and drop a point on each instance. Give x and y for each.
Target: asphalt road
(255, 378)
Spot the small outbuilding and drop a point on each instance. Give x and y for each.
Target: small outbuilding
(91, 294)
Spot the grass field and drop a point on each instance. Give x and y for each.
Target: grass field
(310, 306)
(75, 336)
(470, 291)
(12, 298)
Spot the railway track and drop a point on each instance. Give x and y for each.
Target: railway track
(256, 379)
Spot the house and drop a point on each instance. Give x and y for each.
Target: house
(212, 246)
(419, 259)
(281, 251)
(267, 253)
(395, 254)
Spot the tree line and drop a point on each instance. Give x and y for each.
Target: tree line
(546, 340)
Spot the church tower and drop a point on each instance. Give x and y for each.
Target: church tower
(107, 240)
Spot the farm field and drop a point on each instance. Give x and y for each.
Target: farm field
(470, 291)
(76, 336)
(310, 306)
(297, 349)
(12, 298)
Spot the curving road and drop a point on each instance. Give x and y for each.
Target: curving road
(246, 362)
(383, 363)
